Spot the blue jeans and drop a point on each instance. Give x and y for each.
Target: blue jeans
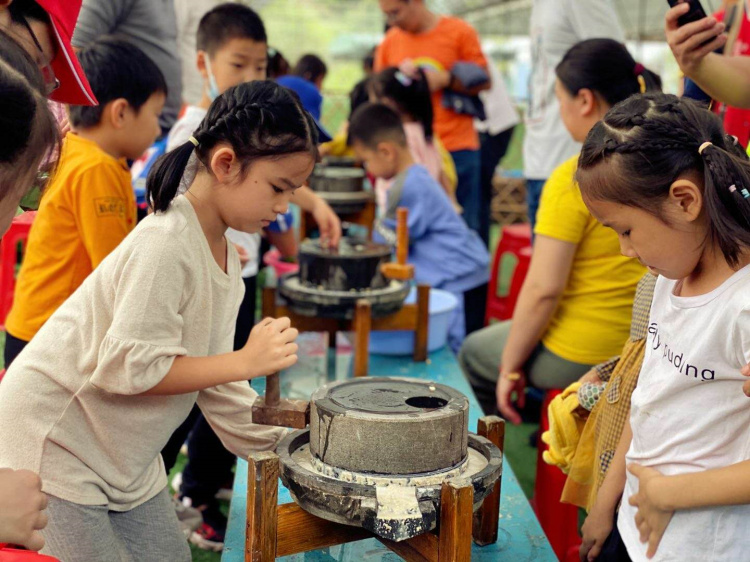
(533, 195)
(469, 170)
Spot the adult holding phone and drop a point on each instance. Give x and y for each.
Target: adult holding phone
(693, 43)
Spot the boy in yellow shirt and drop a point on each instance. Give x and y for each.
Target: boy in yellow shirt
(89, 206)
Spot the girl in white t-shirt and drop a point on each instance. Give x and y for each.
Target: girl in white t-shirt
(662, 174)
(93, 398)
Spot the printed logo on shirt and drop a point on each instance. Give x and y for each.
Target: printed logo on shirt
(677, 359)
(110, 207)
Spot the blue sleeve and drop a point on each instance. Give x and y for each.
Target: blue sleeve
(420, 200)
(282, 223)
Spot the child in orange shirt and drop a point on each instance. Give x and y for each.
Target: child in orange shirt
(89, 207)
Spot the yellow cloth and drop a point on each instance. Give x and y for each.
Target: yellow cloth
(565, 428)
(603, 429)
(448, 167)
(87, 210)
(592, 320)
(337, 146)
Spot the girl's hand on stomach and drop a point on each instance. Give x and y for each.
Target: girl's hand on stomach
(507, 384)
(651, 519)
(270, 347)
(595, 530)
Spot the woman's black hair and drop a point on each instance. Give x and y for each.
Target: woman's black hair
(30, 131)
(257, 119)
(645, 143)
(17, 57)
(605, 67)
(411, 95)
(310, 67)
(21, 10)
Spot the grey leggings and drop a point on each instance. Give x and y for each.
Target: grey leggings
(90, 533)
(480, 358)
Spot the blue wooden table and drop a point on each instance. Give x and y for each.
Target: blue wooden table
(520, 538)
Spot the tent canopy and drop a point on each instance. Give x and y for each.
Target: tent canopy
(643, 20)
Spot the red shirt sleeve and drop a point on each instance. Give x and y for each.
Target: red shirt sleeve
(469, 48)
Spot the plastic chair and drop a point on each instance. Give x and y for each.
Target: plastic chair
(10, 258)
(558, 520)
(14, 555)
(515, 243)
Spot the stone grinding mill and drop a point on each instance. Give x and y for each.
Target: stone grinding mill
(353, 288)
(389, 458)
(340, 182)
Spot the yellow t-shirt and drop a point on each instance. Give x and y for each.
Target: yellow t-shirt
(87, 210)
(592, 321)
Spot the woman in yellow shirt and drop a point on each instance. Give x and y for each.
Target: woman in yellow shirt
(575, 305)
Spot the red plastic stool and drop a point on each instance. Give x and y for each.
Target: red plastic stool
(558, 520)
(14, 555)
(515, 242)
(17, 234)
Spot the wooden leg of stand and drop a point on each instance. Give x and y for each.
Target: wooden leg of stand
(456, 504)
(262, 499)
(423, 320)
(362, 326)
(268, 303)
(486, 517)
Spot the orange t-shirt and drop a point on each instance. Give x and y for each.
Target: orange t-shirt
(87, 210)
(452, 40)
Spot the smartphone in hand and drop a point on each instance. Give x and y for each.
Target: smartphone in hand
(696, 12)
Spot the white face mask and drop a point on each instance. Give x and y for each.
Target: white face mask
(213, 89)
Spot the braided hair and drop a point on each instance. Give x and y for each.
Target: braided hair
(258, 119)
(645, 143)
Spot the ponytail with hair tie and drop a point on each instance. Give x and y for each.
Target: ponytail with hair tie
(259, 119)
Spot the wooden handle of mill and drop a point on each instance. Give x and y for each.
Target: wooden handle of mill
(273, 390)
(402, 236)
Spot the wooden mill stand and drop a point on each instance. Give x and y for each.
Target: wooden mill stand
(282, 530)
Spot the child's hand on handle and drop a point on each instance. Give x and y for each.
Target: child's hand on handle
(595, 530)
(22, 505)
(507, 384)
(652, 518)
(688, 42)
(328, 223)
(270, 347)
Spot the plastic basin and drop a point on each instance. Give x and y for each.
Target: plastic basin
(401, 342)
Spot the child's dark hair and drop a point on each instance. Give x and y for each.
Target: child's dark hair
(646, 142)
(116, 69)
(607, 68)
(30, 132)
(310, 67)
(373, 123)
(258, 119)
(226, 22)
(359, 95)
(411, 95)
(278, 66)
